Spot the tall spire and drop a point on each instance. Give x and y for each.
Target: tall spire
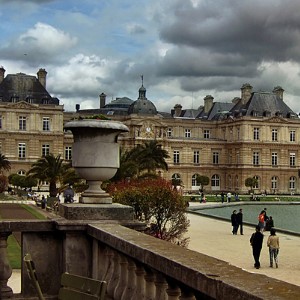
(142, 90)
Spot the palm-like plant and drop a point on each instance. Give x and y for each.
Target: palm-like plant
(142, 161)
(151, 156)
(50, 169)
(4, 163)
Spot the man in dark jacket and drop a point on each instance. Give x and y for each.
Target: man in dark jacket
(239, 219)
(256, 241)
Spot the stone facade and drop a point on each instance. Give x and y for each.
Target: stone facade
(255, 134)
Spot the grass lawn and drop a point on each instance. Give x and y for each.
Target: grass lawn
(13, 248)
(14, 252)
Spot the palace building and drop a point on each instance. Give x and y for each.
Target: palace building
(254, 135)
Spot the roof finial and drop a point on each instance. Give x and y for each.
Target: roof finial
(142, 76)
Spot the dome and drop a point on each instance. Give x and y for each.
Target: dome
(142, 107)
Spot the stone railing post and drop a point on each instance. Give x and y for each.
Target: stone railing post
(131, 281)
(140, 283)
(122, 284)
(173, 292)
(5, 268)
(114, 274)
(161, 286)
(150, 286)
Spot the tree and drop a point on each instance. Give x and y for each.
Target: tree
(51, 169)
(4, 163)
(156, 203)
(142, 161)
(251, 182)
(3, 183)
(151, 156)
(202, 180)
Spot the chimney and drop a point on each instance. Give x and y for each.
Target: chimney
(77, 107)
(278, 90)
(208, 103)
(177, 109)
(42, 74)
(246, 90)
(2, 72)
(102, 100)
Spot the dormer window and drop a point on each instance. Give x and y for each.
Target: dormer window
(14, 99)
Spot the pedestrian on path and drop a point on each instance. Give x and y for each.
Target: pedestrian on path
(228, 197)
(239, 218)
(256, 242)
(261, 220)
(234, 222)
(273, 244)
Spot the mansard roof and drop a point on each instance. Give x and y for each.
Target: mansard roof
(22, 87)
(263, 104)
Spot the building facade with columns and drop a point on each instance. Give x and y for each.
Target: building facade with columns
(254, 135)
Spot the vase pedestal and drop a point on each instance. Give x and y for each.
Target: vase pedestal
(90, 211)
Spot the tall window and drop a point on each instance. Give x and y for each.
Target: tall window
(196, 157)
(45, 150)
(292, 159)
(206, 133)
(188, 133)
(256, 133)
(274, 159)
(292, 136)
(22, 150)
(255, 158)
(274, 183)
(46, 124)
(274, 135)
(0, 122)
(22, 123)
(68, 152)
(176, 156)
(292, 184)
(169, 132)
(257, 182)
(194, 180)
(215, 180)
(215, 158)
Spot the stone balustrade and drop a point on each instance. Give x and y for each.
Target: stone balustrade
(135, 266)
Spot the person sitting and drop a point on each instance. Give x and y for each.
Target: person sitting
(69, 195)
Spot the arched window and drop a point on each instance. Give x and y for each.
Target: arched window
(176, 179)
(215, 182)
(257, 185)
(292, 182)
(229, 182)
(236, 181)
(194, 180)
(22, 173)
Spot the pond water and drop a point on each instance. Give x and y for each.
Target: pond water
(285, 216)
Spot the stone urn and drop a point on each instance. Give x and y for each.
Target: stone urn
(95, 154)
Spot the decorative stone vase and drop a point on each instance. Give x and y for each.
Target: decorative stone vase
(95, 154)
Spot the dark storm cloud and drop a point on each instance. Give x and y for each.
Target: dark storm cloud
(230, 37)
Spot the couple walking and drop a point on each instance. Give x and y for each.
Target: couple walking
(237, 221)
(256, 242)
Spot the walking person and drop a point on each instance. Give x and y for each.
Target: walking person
(256, 242)
(273, 244)
(239, 218)
(228, 197)
(222, 197)
(234, 222)
(261, 220)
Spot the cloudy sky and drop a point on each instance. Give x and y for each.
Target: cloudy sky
(186, 49)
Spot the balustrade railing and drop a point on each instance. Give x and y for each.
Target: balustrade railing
(135, 266)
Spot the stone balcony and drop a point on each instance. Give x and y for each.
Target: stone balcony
(135, 265)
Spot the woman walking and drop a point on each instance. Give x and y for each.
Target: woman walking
(273, 244)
